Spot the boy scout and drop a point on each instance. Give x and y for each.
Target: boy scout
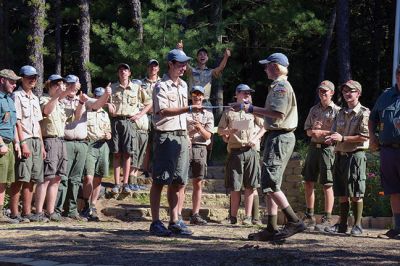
(55, 164)
(280, 114)
(30, 166)
(351, 136)
(8, 80)
(171, 156)
(320, 156)
(125, 102)
(97, 159)
(243, 162)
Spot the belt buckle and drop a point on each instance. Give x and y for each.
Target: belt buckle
(318, 145)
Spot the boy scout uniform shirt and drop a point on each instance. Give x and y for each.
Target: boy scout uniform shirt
(386, 109)
(148, 85)
(168, 95)
(201, 77)
(352, 122)
(281, 98)
(53, 124)
(98, 124)
(75, 130)
(8, 117)
(240, 138)
(324, 115)
(206, 119)
(28, 112)
(127, 100)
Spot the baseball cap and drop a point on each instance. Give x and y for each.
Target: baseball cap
(99, 91)
(71, 79)
(243, 87)
(352, 84)
(55, 77)
(326, 85)
(123, 65)
(178, 55)
(152, 61)
(202, 49)
(9, 74)
(28, 71)
(198, 88)
(278, 58)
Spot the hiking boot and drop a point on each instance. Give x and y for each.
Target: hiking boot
(54, 217)
(392, 234)
(325, 222)
(309, 221)
(290, 229)
(263, 235)
(8, 220)
(126, 189)
(77, 217)
(177, 229)
(197, 219)
(116, 189)
(247, 221)
(39, 217)
(256, 222)
(27, 216)
(233, 220)
(20, 219)
(157, 228)
(356, 230)
(337, 229)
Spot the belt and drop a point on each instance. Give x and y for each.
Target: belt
(174, 132)
(320, 145)
(198, 145)
(7, 141)
(53, 137)
(393, 145)
(343, 153)
(122, 117)
(243, 149)
(77, 140)
(281, 131)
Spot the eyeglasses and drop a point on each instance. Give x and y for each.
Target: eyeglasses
(323, 91)
(349, 91)
(30, 77)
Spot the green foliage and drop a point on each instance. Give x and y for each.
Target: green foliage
(301, 148)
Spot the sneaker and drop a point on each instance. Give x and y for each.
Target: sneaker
(133, 187)
(77, 217)
(247, 220)
(197, 219)
(325, 222)
(93, 217)
(126, 189)
(290, 229)
(157, 228)
(182, 224)
(116, 189)
(256, 222)
(8, 220)
(27, 216)
(263, 235)
(337, 229)
(233, 220)
(179, 230)
(142, 187)
(39, 217)
(54, 217)
(309, 221)
(356, 230)
(20, 219)
(392, 234)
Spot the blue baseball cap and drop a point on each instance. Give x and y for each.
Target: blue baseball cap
(199, 89)
(178, 55)
(99, 91)
(55, 77)
(71, 79)
(243, 87)
(28, 71)
(278, 58)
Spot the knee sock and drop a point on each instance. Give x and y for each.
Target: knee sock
(310, 211)
(272, 222)
(344, 212)
(328, 215)
(255, 212)
(290, 215)
(357, 212)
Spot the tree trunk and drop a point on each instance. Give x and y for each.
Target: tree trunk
(137, 22)
(377, 37)
(4, 35)
(36, 39)
(57, 9)
(326, 46)
(84, 45)
(343, 40)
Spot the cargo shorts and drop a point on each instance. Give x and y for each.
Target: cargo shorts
(319, 163)
(198, 161)
(31, 169)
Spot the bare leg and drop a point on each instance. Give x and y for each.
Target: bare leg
(27, 192)
(14, 197)
(51, 195)
(117, 167)
(155, 197)
(310, 195)
(126, 167)
(40, 195)
(96, 190)
(329, 198)
(248, 201)
(2, 193)
(272, 207)
(235, 201)
(196, 196)
(87, 186)
(181, 201)
(173, 198)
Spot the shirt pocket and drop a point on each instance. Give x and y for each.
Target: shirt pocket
(172, 99)
(26, 108)
(132, 100)
(37, 112)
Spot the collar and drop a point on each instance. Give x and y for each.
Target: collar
(129, 87)
(25, 94)
(356, 109)
(201, 69)
(169, 81)
(148, 80)
(3, 94)
(331, 105)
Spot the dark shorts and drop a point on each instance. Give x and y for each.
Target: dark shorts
(171, 158)
(31, 169)
(390, 170)
(7, 165)
(198, 161)
(56, 161)
(142, 141)
(349, 174)
(278, 148)
(124, 139)
(97, 159)
(242, 169)
(319, 162)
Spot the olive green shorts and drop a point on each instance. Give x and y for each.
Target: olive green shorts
(56, 161)
(278, 148)
(31, 169)
(198, 161)
(142, 142)
(349, 174)
(97, 159)
(319, 162)
(124, 139)
(242, 169)
(7, 164)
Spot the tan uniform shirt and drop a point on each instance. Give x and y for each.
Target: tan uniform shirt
(352, 122)
(148, 85)
(98, 124)
(53, 124)
(281, 98)
(127, 101)
(28, 113)
(167, 95)
(75, 130)
(242, 137)
(206, 119)
(324, 117)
